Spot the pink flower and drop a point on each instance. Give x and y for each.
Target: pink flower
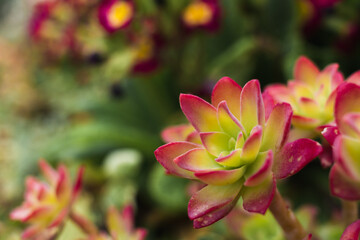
(345, 139)
(203, 14)
(42, 12)
(115, 14)
(145, 48)
(235, 150)
(47, 204)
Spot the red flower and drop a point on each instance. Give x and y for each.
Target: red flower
(115, 14)
(203, 14)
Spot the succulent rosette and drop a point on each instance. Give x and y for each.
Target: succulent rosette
(120, 226)
(311, 94)
(345, 139)
(115, 14)
(47, 204)
(203, 14)
(235, 150)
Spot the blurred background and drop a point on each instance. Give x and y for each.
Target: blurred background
(83, 83)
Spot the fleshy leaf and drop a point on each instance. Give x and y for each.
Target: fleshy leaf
(167, 153)
(352, 232)
(197, 159)
(230, 160)
(252, 145)
(326, 156)
(309, 107)
(221, 177)
(352, 121)
(78, 183)
(228, 90)
(347, 101)
(342, 186)
(330, 133)
(354, 78)
(327, 78)
(50, 174)
(59, 218)
(200, 114)
(212, 198)
(269, 103)
(301, 89)
(22, 214)
(240, 141)
(62, 187)
(259, 170)
(114, 222)
(252, 111)
(214, 216)
(176, 133)
(305, 71)
(258, 198)
(305, 122)
(31, 231)
(215, 142)
(228, 122)
(294, 156)
(277, 127)
(346, 153)
(281, 93)
(194, 137)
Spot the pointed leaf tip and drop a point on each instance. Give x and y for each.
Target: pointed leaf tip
(168, 152)
(201, 114)
(294, 156)
(228, 90)
(252, 111)
(305, 71)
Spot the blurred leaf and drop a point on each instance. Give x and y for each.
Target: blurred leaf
(262, 227)
(330, 231)
(168, 191)
(122, 163)
(280, 18)
(119, 64)
(239, 50)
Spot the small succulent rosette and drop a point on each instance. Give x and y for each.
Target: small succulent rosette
(311, 94)
(114, 15)
(345, 139)
(202, 14)
(235, 150)
(120, 226)
(47, 204)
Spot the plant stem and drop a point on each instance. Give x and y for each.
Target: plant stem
(286, 218)
(349, 211)
(85, 225)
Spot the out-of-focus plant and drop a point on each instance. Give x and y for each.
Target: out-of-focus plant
(47, 204)
(120, 226)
